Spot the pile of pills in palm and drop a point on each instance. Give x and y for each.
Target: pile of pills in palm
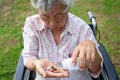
(53, 69)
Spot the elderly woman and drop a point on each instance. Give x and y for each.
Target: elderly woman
(53, 35)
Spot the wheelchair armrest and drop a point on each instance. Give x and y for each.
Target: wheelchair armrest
(22, 73)
(20, 70)
(107, 64)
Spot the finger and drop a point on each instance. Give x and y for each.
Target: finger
(75, 55)
(88, 56)
(62, 69)
(92, 61)
(57, 75)
(65, 72)
(82, 59)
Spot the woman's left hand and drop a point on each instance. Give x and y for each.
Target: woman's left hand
(88, 56)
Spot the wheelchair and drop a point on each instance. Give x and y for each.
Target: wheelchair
(108, 71)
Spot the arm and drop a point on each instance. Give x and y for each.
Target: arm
(87, 52)
(30, 45)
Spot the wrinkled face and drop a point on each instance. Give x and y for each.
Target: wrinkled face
(55, 18)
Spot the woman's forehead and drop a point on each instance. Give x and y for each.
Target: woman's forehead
(60, 7)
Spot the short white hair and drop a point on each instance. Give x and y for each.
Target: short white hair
(46, 5)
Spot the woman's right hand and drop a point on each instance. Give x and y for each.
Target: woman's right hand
(41, 68)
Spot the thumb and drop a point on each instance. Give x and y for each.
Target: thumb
(41, 71)
(40, 68)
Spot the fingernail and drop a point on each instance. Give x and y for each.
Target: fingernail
(73, 64)
(81, 69)
(44, 75)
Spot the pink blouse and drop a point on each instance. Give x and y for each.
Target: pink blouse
(39, 43)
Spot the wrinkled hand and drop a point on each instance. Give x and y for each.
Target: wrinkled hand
(88, 57)
(41, 68)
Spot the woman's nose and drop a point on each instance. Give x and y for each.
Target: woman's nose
(52, 21)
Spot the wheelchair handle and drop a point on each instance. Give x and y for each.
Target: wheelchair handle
(90, 14)
(92, 18)
(93, 21)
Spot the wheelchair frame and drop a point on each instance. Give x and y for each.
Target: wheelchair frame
(108, 71)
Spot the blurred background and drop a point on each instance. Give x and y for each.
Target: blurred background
(14, 12)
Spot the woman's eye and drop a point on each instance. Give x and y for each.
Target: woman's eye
(59, 16)
(44, 15)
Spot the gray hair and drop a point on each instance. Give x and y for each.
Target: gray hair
(46, 5)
